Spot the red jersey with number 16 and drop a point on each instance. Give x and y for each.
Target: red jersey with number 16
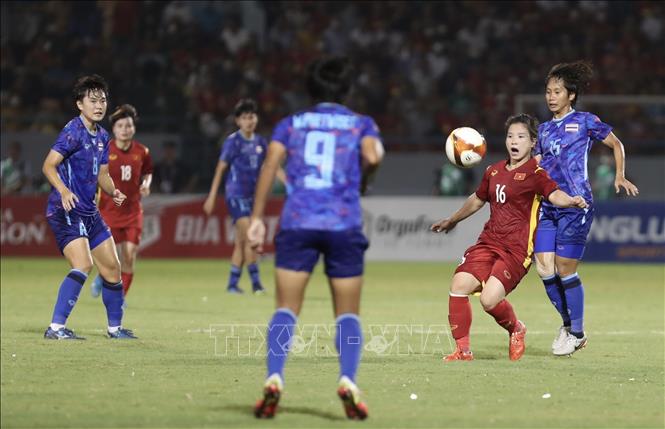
(514, 197)
(127, 168)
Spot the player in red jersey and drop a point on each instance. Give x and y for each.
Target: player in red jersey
(502, 254)
(130, 166)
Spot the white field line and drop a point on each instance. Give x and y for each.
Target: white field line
(474, 332)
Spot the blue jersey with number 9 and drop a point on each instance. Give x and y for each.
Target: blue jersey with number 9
(83, 154)
(323, 167)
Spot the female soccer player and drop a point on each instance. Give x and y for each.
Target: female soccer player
(502, 254)
(244, 151)
(327, 149)
(563, 150)
(76, 164)
(130, 166)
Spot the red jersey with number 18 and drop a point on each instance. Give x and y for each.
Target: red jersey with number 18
(514, 197)
(127, 168)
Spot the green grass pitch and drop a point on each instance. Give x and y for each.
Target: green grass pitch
(183, 373)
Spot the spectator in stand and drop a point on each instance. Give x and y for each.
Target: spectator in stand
(172, 176)
(15, 173)
(404, 53)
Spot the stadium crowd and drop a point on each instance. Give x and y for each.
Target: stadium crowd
(423, 67)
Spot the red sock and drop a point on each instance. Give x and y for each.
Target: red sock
(459, 317)
(504, 315)
(126, 282)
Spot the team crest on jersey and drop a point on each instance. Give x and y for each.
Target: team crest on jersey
(494, 172)
(135, 157)
(572, 128)
(519, 176)
(259, 149)
(113, 157)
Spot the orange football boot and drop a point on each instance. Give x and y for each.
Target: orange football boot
(517, 345)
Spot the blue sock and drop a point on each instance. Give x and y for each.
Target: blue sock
(234, 276)
(280, 332)
(349, 343)
(254, 274)
(555, 293)
(574, 290)
(112, 297)
(69, 292)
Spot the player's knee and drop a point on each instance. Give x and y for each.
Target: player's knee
(566, 269)
(459, 288)
(111, 272)
(84, 266)
(488, 302)
(544, 269)
(127, 260)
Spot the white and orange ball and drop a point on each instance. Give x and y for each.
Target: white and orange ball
(465, 147)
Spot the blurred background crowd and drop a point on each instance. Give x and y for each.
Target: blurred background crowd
(423, 68)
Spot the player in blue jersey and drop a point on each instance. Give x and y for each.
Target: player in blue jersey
(329, 152)
(563, 150)
(76, 164)
(243, 153)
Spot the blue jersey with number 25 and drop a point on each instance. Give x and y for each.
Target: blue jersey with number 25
(83, 153)
(323, 167)
(564, 145)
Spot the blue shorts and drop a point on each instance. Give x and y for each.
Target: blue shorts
(68, 227)
(563, 231)
(239, 207)
(343, 251)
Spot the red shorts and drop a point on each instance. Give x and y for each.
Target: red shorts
(133, 235)
(483, 262)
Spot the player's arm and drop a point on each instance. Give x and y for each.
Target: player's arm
(281, 175)
(257, 230)
(471, 206)
(561, 199)
(146, 181)
(49, 168)
(209, 204)
(620, 180)
(371, 151)
(106, 183)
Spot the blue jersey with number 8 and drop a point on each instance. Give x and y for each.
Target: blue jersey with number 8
(83, 154)
(323, 167)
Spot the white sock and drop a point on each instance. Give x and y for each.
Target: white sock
(56, 326)
(114, 329)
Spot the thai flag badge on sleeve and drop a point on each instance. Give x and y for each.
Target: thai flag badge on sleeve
(572, 128)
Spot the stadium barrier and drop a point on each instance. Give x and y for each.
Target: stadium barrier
(397, 228)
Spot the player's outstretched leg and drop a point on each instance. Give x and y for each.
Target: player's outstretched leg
(280, 332)
(505, 316)
(68, 295)
(459, 317)
(96, 286)
(349, 343)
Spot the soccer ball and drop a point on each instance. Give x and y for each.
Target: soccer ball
(465, 147)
